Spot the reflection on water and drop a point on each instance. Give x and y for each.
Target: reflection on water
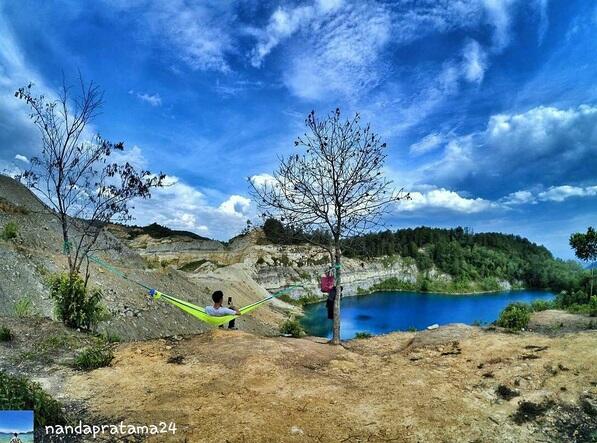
(25, 438)
(384, 312)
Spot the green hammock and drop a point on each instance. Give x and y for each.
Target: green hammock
(200, 313)
(189, 308)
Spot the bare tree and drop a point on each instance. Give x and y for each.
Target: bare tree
(74, 173)
(335, 188)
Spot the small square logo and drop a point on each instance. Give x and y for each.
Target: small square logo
(16, 426)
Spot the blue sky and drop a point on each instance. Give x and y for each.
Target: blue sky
(489, 107)
(16, 421)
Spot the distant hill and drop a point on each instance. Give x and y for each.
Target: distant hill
(157, 231)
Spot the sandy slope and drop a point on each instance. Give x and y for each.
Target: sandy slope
(432, 386)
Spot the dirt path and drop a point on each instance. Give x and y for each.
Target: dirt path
(432, 386)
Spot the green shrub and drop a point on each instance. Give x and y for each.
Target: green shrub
(593, 306)
(542, 305)
(93, 357)
(515, 316)
(360, 335)
(395, 284)
(18, 393)
(586, 308)
(10, 231)
(288, 299)
(110, 337)
(568, 298)
(304, 299)
(74, 304)
(23, 308)
(293, 327)
(389, 261)
(490, 284)
(309, 298)
(5, 334)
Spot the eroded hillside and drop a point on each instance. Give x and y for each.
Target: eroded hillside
(27, 260)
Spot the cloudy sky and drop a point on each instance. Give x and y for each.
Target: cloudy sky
(489, 107)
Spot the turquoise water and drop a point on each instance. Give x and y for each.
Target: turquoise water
(384, 312)
(25, 438)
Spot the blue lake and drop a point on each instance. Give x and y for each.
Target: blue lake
(384, 312)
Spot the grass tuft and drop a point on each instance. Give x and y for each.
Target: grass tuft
(360, 335)
(293, 327)
(10, 231)
(93, 358)
(5, 334)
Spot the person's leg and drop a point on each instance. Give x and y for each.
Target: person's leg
(231, 324)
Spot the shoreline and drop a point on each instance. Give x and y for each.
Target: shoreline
(430, 292)
(454, 293)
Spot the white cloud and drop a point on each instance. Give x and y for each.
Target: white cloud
(475, 62)
(282, 24)
(552, 194)
(427, 144)
(498, 16)
(518, 198)
(444, 199)
(340, 55)
(133, 155)
(542, 146)
(543, 19)
(235, 87)
(261, 180)
(440, 85)
(152, 99)
(199, 33)
(22, 158)
(236, 205)
(561, 193)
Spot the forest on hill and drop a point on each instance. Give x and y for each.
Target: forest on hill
(485, 258)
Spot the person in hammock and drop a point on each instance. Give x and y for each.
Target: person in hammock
(217, 310)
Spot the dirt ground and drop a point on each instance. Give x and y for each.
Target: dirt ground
(432, 386)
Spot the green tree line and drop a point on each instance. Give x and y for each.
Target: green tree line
(466, 256)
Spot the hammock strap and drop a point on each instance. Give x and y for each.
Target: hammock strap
(112, 269)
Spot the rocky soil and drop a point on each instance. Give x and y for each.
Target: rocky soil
(453, 384)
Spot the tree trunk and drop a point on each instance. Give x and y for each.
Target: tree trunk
(338, 283)
(591, 293)
(66, 245)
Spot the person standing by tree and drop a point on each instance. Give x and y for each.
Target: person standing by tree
(334, 189)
